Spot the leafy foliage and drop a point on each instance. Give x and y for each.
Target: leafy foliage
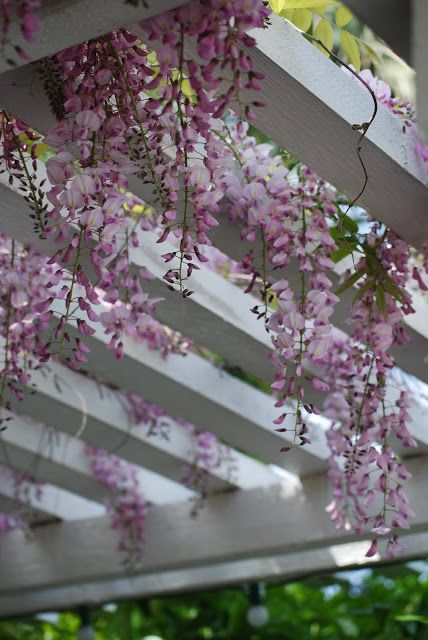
(388, 604)
(330, 22)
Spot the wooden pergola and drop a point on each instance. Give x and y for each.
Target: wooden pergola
(256, 523)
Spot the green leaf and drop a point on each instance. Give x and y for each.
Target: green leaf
(380, 300)
(347, 223)
(301, 18)
(277, 5)
(411, 617)
(373, 264)
(350, 48)
(353, 279)
(341, 253)
(393, 289)
(343, 16)
(309, 4)
(324, 33)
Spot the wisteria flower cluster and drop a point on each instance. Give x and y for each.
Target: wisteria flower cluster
(206, 454)
(126, 502)
(166, 120)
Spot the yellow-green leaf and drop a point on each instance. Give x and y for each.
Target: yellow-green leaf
(350, 48)
(277, 5)
(324, 33)
(41, 149)
(343, 16)
(187, 88)
(301, 18)
(309, 4)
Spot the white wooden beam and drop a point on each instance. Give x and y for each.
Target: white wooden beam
(218, 314)
(311, 109)
(191, 387)
(239, 525)
(312, 106)
(77, 405)
(69, 22)
(286, 567)
(59, 458)
(34, 515)
(53, 502)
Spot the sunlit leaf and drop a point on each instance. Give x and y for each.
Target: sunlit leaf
(350, 48)
(410, 617)
(277, 5)
(343, 16)
(301, 18)
(309, 4)
(324, 33)
(41, 149)
(187, 88)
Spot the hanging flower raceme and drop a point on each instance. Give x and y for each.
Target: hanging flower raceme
(26, 281)
(202, 69)
(207, 452)
(27, 492)
(367, 411)
(284, 214)
(126, 503)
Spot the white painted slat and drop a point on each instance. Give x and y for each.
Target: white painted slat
(218, 314)
(276, 567)
(409, 357)
(69, 22)
(77, 405)
(53, 456)
(311, 108)
(33, 514)
(53, 502)
(239, 525)
(191, 387)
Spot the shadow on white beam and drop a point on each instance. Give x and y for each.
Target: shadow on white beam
(234, 526)
(53, 502)
(224, 574)
(59, 458)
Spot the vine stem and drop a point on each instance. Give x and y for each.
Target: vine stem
(138, 121)
(364, 127)
(185, 224)
(38, 210)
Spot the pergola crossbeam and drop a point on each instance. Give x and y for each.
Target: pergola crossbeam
(240, 525)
